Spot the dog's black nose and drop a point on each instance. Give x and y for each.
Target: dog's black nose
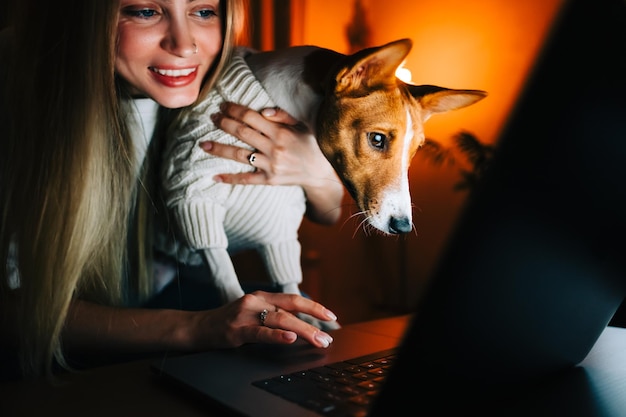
(398, 225)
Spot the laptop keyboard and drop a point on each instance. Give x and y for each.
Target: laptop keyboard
(343, 388)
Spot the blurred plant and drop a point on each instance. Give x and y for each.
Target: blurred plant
(475, 153)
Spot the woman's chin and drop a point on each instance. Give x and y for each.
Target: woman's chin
(177, 102)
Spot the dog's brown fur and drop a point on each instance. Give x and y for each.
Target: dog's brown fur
(371, 124)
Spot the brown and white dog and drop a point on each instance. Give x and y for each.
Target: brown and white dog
(368, 123)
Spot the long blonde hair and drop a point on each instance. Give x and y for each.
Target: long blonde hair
(69, 194)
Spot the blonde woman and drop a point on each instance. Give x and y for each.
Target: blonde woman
(87, 88)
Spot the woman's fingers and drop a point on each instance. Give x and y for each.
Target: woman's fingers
(285, 328)
(237, 153)
(247, 125)
(293, 304)
(282, 155)
(244, 155)
(279, 116)
(276, 322)
(250, 117)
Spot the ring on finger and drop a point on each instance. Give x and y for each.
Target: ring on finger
(263, 316)
(252, 158)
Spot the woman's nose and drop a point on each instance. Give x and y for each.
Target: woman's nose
(179, 40)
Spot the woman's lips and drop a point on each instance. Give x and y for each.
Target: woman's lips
(179, 77)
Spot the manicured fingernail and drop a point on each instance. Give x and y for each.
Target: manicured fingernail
(324, 339)
(330, 314)
(269, 112)
(218, 178)
(206, 145)
(290, 336)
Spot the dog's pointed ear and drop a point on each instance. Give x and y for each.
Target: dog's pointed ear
(372, 67)
(435, 99)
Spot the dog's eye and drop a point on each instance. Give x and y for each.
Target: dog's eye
(377, 140)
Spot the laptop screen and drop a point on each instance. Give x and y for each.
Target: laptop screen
(535, 268)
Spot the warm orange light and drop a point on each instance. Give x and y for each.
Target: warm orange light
(404, 74)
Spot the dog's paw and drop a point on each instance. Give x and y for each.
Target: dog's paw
(320, 324)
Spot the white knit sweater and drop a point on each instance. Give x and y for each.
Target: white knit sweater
(218, 216)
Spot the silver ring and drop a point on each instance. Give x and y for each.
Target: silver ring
(252, 158)
(263, 316)
(195, 50)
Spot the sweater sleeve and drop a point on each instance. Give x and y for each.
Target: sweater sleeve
(187, 175)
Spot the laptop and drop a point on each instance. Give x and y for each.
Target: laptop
(531, 275)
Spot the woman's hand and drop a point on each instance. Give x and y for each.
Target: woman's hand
(285, 154)
(94, 328)
(241, 322)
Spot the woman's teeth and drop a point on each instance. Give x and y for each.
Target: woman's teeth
(174, 72)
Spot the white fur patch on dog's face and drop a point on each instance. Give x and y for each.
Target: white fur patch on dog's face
(396, 198)
(371, 140)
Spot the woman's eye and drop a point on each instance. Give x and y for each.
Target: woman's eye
(206, 13)
(377, 140)
(141, 13)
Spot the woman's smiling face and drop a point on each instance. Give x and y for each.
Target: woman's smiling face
(166, 47)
